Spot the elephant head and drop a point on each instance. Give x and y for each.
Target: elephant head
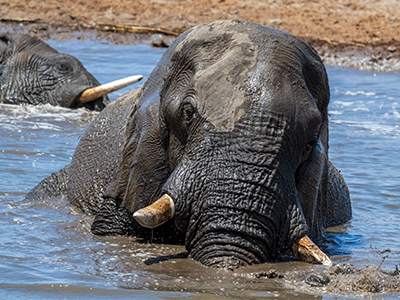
(230, 133)
(31, 72)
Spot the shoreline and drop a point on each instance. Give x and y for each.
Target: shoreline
(376, 58)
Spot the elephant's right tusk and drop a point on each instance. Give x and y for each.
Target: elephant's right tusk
(307, 251)
(105, 89)
(157, 213)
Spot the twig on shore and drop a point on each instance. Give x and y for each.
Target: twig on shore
(20, 20)
(132, 28)
(100, 26)
(335, 43)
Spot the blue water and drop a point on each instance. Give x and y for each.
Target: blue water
(364, 145)
(47, 251)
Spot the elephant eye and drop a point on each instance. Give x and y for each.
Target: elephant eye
(309, 147)
(65, 68)
(189, 112)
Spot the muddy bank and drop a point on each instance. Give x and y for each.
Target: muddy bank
(60, 32)
(345, 280)
(353, 30)
(360, 280)
(381, 58)
(343, 22)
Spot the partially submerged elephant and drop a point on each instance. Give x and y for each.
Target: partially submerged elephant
(225, 147)
(32, 72)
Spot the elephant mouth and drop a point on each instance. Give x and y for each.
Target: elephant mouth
(223, 250)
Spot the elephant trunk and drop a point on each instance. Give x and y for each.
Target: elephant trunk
(228, 250)
(231, 229)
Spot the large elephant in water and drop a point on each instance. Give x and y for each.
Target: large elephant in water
(224, 148)
(32, 72)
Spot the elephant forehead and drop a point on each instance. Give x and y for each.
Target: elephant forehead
(222, 103)
(221, 85)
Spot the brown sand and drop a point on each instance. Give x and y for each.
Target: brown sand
(362, 26)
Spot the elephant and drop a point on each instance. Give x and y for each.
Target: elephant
(223, 149)
(32, 72)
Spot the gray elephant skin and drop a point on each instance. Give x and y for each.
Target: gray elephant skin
(32, 72)
(232, 124)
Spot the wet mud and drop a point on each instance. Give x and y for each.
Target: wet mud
(346, 280)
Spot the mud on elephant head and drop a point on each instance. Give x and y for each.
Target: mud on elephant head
(32, 72)
(225, 147)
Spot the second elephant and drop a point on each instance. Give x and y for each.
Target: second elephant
(32, 72)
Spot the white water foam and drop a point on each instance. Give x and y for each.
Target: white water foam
(362, 64)
(41, 117)
(360, 93)
(372, 126)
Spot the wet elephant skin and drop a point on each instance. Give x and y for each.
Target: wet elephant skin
(232, 124)
(32, 72)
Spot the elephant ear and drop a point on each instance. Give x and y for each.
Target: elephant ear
(6, 42)
(321, 189)
(338, 205)
(97, 156)
(323, 193)
(312, 176)
(6, 49)
(143, 168)
(141, 173)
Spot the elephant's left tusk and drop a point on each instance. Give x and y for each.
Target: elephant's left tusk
(157, 213)
(307, 251)
(104, 89)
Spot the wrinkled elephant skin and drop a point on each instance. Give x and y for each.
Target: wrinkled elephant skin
(231, 129)
(32, 72)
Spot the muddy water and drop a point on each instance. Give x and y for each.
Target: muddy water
(47, 251)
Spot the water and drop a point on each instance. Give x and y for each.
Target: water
(364, 145)
(47, 251)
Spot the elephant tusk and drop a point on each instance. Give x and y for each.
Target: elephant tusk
(104, 89)
(307, 251)
(157, 213)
